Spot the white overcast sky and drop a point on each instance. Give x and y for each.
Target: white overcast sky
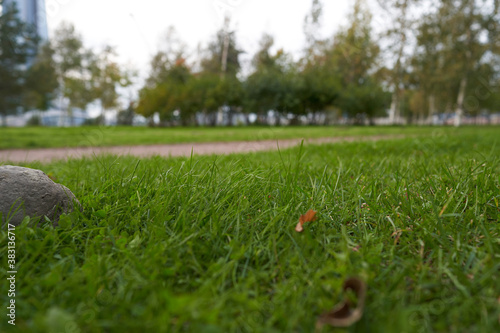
(135, 27)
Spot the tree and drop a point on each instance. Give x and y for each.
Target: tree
(41, 80)
(312, 27)
(399, 39)
(18, 45)
(356, 58)
(204, 95)
(173, 50)
(320, 86)
(364, 100)
(166, 96)
(126, 117)
(73, 68)
(429, 75)
(221, 58)
(222, 49)
(230, 94)
(167, 87)
(106, 77)
(457, 45)
(274, 84)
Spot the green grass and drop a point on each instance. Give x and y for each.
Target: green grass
(207, 244)
(41, 137)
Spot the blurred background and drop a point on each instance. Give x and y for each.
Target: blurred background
(241, 62)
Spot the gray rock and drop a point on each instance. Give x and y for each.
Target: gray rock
(34, 193)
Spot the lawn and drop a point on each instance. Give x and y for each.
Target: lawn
(208, 244)
(41, 137)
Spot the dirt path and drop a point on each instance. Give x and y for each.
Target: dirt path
(183, 149)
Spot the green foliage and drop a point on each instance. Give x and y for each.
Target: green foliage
(18, 45)
(32, 77)
(106, 77)
(355, 56)
(312, 23)
(444, 62)
(453, 63)
(208, 243)
(73, 67)
(367, 99)
(70, 49)
(126, 117)
(321, 84)
(165, 90)
(41, 80)
(439, 57)
(275, 83)
(212, 61)
(34, 121)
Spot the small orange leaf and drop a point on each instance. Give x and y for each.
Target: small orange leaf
(310, 216)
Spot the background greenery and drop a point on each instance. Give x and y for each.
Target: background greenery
(207, 244)
(425, 58)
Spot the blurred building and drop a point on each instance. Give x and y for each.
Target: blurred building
(33, 13)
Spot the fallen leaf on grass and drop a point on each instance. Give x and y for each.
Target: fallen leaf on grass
(396, 235)
(356, 248)
(307, 217)
(346, 312)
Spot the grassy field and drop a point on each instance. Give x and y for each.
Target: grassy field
(207, 244)
(41, 137)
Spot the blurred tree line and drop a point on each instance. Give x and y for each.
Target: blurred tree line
(34, 73)
(431, 58)
(335, 78)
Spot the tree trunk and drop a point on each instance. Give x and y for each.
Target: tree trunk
(432, 109)
(278, 118)
(398, 75)
(459, 112)
(206, 118)
(394, 108)
(219, 117)
(213, 119)
(310, 118)
(70, 116)
(230, 117)
(264, 119)
(102, 122)
(295, 120)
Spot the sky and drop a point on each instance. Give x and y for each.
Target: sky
(136, 28)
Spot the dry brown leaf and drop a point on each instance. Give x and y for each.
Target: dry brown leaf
(356, 248)
(310, 216)
(346, 313)
(398, 234)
